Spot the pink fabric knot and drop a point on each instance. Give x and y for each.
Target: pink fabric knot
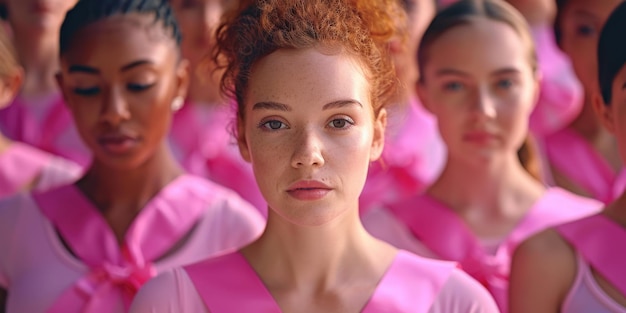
(127, 278)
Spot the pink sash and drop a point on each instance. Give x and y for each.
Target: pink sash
(20, 165)
(445, 234)
(222, 282)
(577, 160)
(118, 272)
(55, 134)
(592, 237)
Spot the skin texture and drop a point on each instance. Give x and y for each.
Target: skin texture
(580, 24)
(122, 110)
(308, 117)
(198, 21)
(480, 85)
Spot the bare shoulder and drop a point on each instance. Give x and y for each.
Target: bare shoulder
(542, 272)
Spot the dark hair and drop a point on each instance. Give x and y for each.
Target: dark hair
(462, 13)
(87, 12)
(361, 28)
(611, 50)
(560, 6)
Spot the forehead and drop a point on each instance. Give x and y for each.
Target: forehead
(479, 46)
(598, 10)
(121, 39)
(294, 76)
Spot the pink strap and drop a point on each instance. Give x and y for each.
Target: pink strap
(576, 159)
(444, 233)
(222, 283)
(225, 281)
(118, 271)
(592, 238)
(20, 165)
(411, 284)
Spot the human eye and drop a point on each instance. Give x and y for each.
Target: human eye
(341, 123)
(505, 83)
(272, 125)
(139, 87)
(585, 30)
(453, 86)
(86, 92)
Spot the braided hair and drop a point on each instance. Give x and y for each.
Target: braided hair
(87, 12)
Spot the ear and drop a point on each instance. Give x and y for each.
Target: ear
(11, 87)
(604, 112)
(182, 79)
(538, 80)
(420, 90)
(241, 140)
(378, 140)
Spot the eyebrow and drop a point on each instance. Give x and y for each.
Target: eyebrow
(584, 13)
(77, 68)
(270, 105)
(450, 71)
(504, 71)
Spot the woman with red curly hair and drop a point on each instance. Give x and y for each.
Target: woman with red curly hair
(312, 79)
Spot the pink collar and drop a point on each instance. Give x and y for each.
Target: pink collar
(571, 155)
(447, 235)
(118, 270)
(223, 281)
(597, 239)
(20, 165)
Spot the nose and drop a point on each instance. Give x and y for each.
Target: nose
(485, 104)
(115, 108)
(308, 150)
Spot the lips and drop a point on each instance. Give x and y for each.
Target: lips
(479, 137)
(118, 143)
(309, 190)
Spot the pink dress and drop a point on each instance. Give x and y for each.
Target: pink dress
(426, 226)
(22, 165)
(59, 254)
(412, 159)
(574, 158)
(202, 141)
(597, 241)
(47, 125)
(229, 284)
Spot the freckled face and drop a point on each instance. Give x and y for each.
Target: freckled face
(310, 133)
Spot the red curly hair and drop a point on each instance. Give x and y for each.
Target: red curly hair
(361, 28)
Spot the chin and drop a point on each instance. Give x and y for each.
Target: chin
(311, 215)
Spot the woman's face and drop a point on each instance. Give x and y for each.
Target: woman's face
(198, 21)
(480, 85)
(310, 132)
(38, 14)
(122, 101)
(580, 23)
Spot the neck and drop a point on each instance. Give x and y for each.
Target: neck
(205, 91)
(587, 123)
(128, 190)
(493, 187)
(289, 256)
(39, 55)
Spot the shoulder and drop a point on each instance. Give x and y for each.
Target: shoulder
(171, 291)
(463, 294)
(545, 254)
